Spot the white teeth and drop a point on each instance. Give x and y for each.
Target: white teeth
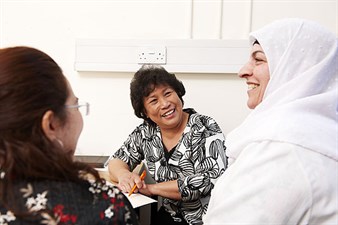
(168, 113)
(252, 86)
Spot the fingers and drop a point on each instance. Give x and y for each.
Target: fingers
(125, 187)
(128, 180)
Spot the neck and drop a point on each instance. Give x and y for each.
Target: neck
(170, 137)
(178, 130)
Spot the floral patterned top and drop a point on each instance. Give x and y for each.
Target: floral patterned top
(70, 203)
(196, 162)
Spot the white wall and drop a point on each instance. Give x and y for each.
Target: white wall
(53, 26)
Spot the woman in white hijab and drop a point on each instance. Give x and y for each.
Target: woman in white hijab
(283, 157)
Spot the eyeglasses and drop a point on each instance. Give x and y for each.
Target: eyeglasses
(82, 106)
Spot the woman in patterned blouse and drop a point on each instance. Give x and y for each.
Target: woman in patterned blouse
(183, 150)
(40, 123)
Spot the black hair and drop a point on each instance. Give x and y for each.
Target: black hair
(145, 80)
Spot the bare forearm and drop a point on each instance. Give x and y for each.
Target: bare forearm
(167, 189)
(116, 167)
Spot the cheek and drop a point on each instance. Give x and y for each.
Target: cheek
(79, 127)
(73, 131)
(264, 84)
(264, 77)
(151, 109)
(175, 99)
(266, 74)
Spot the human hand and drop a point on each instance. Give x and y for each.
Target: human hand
(127, 181)
(146, 189)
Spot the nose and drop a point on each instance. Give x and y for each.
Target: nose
(246, 70)
(164, 103)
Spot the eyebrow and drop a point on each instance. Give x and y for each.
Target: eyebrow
(254, 54)
(149, 97)
(257, 51)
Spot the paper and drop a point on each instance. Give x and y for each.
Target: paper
(138, 199)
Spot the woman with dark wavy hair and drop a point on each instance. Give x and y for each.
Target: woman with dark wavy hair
(183, 150)
(40, 123)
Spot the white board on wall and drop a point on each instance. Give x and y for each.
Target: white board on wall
(176, 55)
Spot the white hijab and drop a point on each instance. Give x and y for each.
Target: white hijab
(300, 101)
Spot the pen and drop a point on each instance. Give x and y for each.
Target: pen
(143, 175)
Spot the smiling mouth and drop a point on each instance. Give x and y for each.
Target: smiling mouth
(168, 113)
(252, 86)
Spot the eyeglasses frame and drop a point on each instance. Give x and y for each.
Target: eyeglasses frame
(79, 105)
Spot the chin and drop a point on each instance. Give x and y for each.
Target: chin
(251, 106)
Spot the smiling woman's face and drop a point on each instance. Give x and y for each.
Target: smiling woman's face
(257, 75)
(164, 107)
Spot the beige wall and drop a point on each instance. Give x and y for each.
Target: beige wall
(53, 26)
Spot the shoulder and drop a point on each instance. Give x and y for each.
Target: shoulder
(195, 116)
(144, 129)
(280, 159)
(65, 190)
(82, 202)
(200, 121)
(283, 171)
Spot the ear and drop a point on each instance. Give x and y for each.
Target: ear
(145, 112)
(50, 125)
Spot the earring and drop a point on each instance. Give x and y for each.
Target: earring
(60, 142)
(2, 173)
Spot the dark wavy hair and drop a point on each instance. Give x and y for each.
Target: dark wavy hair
(145, 80)
(31, 83)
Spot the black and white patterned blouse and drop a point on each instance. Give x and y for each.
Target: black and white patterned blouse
(196, 162)
(69, 203)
